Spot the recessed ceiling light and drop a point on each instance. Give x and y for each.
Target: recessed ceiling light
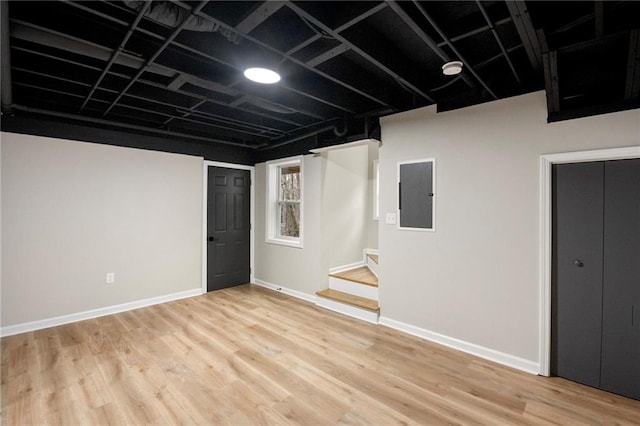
(452, 68)
(262, 75)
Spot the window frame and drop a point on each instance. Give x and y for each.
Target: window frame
(273, 202)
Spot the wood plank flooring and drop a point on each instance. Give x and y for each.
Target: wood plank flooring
(251, 356)
(350, 299)
(362, 275)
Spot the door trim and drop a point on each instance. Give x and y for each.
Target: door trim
(546, 163)
(205, 183)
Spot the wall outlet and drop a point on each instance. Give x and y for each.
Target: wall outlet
(390, 219)
(111, 277)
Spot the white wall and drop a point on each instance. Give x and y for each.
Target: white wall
(476, 278)
(372, 224)
(73, 211)
(345, 207)
(293, 268)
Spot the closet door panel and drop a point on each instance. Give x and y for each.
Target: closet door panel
(621, 291)
(577, 272)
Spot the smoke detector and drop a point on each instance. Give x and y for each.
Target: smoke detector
(452, 68)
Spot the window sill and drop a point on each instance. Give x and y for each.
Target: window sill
(283, 242)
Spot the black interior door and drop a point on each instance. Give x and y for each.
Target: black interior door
(577, 272)
(228, 228)
(621, 291)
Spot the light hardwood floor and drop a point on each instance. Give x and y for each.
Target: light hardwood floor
(249, 356)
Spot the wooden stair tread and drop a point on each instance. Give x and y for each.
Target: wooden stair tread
(373, 257)
(350, 299)
(362, 275)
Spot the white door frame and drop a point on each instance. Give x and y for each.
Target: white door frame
(546, 162)
(205, 189)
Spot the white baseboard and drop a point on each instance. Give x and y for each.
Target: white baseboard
(95, 313)
(295, 293)
(343, 268)
(470, 348)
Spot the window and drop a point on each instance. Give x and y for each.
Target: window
(284, 202)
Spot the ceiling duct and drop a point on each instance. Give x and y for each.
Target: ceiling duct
(171, 14)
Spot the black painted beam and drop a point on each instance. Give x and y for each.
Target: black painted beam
(157, 53)
(498, 40)
(424, 37)
(551, 83)
(357, 49)
(632, 86)
(468, 66)
(598, 6)
(258, 16)
(524, 26)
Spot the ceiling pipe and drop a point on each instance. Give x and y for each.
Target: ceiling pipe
(117, 52)
(341, 133)
(5, 58)
(126, 126)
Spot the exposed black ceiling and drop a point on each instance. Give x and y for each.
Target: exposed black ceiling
(175, 68)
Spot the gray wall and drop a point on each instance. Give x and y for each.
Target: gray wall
(337, 221)
(345, 207)
(73, 211)
(476, 278)
(372, 224)
(295, 268)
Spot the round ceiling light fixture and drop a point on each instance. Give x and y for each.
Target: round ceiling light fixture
(262, 75)
(452, 68)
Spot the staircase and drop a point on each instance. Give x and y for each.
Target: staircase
(354, 291)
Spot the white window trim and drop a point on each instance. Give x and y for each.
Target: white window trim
(271, 197)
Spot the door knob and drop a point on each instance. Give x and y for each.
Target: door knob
(578, 263)
(212, 239)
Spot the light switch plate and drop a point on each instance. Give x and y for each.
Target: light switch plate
(111, 277)
(390, 219)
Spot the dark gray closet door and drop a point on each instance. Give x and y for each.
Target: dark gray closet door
(621, 297)
(577, 271)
